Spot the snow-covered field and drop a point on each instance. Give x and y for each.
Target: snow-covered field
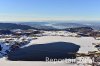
(35, 63)
(84, 42)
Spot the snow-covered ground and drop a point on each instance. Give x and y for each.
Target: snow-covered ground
(84, 42)
(35, 63)
(59, 33)
(5, 62)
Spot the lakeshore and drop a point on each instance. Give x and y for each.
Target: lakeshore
(85, 44)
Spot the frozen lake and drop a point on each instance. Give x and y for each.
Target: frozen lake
(55, 50)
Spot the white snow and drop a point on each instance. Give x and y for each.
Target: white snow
(84, 42)
(4, 49)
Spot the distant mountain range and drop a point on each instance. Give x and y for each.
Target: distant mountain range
(62, 25)
(39, 25)
(94, 25)
(9, 26)
(49, 25)
(67, 25)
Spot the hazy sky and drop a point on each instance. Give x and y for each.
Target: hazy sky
(46, 10)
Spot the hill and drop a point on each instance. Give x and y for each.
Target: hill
(9, 26)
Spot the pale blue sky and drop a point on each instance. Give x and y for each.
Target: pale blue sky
(44, 10)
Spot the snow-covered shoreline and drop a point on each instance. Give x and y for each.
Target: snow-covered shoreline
(84, 42)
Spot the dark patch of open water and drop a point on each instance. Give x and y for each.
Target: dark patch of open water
(58, 50)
